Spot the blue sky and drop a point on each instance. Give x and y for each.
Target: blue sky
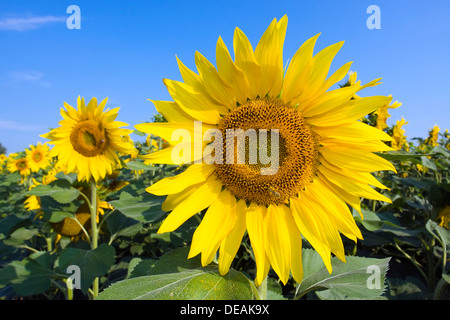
(125, 49)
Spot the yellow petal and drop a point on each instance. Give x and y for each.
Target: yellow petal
(193, 102)
(255, 227)
(338, 213)
(321, 65)
(350, 111)
(269, 54)
(232, 241)
(194, 174)
(246, 61)
(172, 111)
(230, 73)
(298, 70)
(278, 244)
(359, 160)
(309, 226)
(217, 88)
(217, 223)
(352, 186)
(198, 200)
(356, 131)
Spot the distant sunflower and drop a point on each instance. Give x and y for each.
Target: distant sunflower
(18, 164)
(383, 114)
(89, 140)
(38, 157)
(398, 134)
(433, 137)
(325, 154)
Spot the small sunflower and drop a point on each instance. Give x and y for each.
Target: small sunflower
(38, 157)
(19, 164)
(325, 154)
(398, 134)
(383, 114)
(444, 217)
(433, 136)
(73, 227)
(89, 140)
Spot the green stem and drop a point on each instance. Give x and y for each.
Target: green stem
(262, 290)
(94, 230)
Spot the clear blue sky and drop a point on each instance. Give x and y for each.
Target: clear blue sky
(125, 48)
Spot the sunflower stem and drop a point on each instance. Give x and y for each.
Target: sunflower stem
(94, 230)
(262, 290)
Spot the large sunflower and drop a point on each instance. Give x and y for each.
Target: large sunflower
(89, 140)
(325, 154)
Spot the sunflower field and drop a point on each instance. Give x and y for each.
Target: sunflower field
(354, 210)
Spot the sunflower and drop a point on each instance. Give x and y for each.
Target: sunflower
(38, 157)
(398, 134)
(325, 154)
(432, 138)
(383, 113)
(19, 164)
(89, 140)
(444, 217)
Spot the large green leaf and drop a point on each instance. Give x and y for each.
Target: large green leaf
(196, 284)
(357, 278)
(92, 263)
(143, 208)
(175, 277)
(60, 190)
(31, 275)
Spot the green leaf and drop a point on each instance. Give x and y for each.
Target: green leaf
(373, 221)
(31, 275)
(428, 163)
(60, 190)
(120, 225)
(143, 208)
(174, 277)
(446, 277)
(55, 211)
(92, 263)
(420, 184)
(357, 278)
(402, 155)
(139, 165)
(196, 284)
(441, 234)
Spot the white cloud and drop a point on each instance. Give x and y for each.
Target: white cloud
(30, 76)
(22, 24)
(12, 125)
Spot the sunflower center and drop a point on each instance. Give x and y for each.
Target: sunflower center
(294, 147)
(21, 164)
(89, 138)
(37, 156)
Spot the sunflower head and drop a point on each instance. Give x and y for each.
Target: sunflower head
(19, 164)
(88, 140)
(38, 157)
(256, 116)
(398, 134)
